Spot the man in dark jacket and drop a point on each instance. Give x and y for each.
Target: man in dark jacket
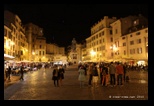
(9, 72)
(21, 73)
(112, 71)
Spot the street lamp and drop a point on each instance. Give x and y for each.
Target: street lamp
(92, 52)
(33, 53)
(113, 48)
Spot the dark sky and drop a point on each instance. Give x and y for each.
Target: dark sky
(63, 22)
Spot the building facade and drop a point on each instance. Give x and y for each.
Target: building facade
(15, 41)
(55, 53)
(124, 39)
(36, 41)
(98, 43)
(130, 40)
(26, 42)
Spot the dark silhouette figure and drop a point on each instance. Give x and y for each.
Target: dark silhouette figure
(9, 72)
(61, 72)
(55, 77)
(21, 73)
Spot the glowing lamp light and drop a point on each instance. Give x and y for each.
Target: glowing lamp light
(92, 53)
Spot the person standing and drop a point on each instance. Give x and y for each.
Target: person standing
(112, 71)
(61, 74)
(44, 67)
(120, 73)
(82, 76)
(90, 74)
(9, 72)
(55, 77)
(125, 70)
(21, 73)
(105, 75)
(95, 76)
(101, 75)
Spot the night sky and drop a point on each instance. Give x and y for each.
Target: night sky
(63, 22)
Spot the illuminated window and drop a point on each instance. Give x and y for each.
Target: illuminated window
(138, 41)
(139, 50)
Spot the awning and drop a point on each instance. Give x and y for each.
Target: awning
(8, 56)
(25, 61)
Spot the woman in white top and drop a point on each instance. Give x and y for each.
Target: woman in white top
(82, 76)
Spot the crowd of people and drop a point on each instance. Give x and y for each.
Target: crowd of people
(58, 75)
(21, 68)
(105, 74)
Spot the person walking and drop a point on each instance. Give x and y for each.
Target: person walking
(82, 76)
(55, 77)
(61, 74)
(21, 73)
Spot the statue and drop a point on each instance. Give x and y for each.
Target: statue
(73, 47)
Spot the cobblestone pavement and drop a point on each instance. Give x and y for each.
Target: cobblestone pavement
(38, 85)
